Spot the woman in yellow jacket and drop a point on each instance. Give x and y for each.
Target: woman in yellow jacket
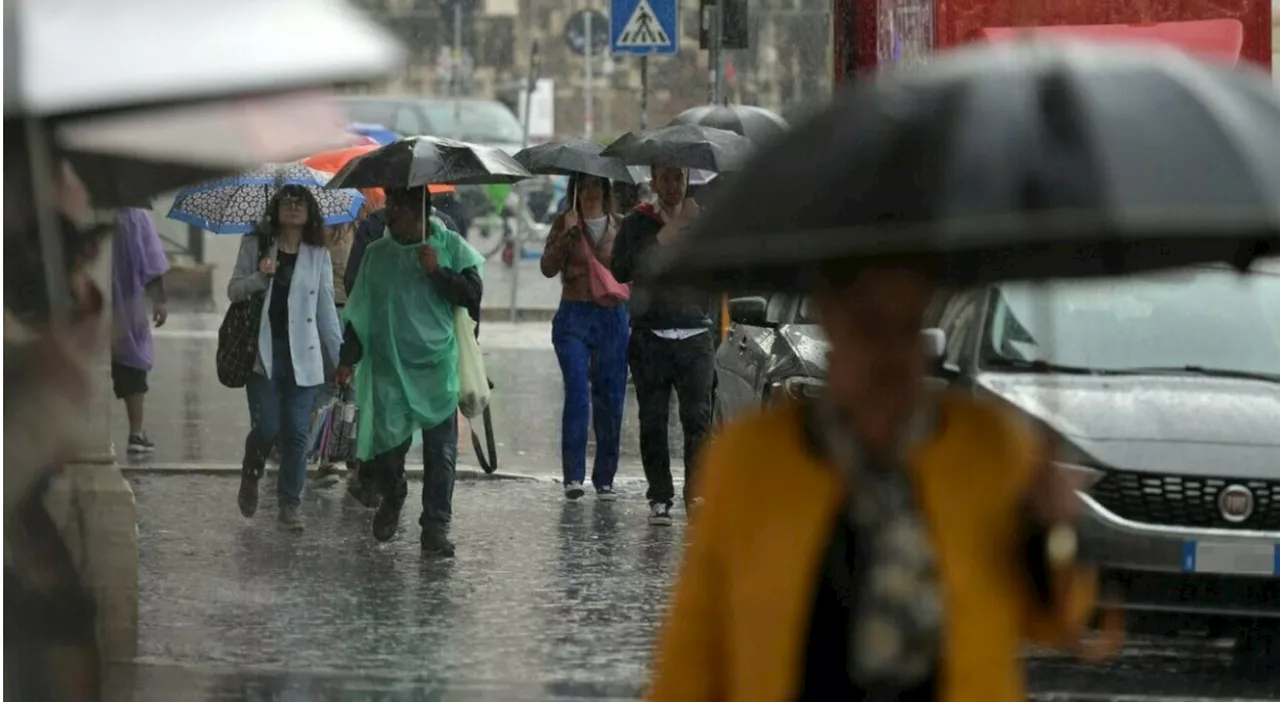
(881, 542)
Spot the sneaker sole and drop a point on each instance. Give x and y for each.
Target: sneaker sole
(660, 521)
(607, 496)
(326, 481)
(575, 493)
(142, 449)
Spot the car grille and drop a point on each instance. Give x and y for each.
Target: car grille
(1185, 501)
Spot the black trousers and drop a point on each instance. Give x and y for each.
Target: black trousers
(659, 366)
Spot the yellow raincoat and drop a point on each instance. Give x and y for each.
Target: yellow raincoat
(739, 622)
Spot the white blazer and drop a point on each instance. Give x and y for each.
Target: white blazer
(315, 334)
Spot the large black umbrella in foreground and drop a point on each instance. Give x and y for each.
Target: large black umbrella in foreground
(684, 146)
(420, 160)
(1014, 161)
(570, 156)
(755, 123)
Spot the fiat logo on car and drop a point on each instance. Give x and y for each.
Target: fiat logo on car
(1236, 503)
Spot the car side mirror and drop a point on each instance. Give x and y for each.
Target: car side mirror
(935, 345)
(935, 349)
(751, 311)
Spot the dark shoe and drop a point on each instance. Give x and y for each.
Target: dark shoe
(248, 497)
(363, 491)
(386, 522)
(290, 520)
(574, 491)
(607, 494)
(435, 544)
(139, 443)
(660, 513)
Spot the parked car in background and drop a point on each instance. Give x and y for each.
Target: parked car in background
(479, 121)
(773, 348)
(1163, 392)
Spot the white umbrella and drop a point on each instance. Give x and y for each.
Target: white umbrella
(77, 55)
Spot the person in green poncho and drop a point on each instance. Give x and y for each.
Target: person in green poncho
(399, 339)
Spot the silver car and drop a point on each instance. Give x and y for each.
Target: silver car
(1164, 393)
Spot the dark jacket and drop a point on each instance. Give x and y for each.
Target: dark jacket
(652, 308)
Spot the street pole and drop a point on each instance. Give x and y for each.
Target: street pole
(715, 38)
(518, 253)
(588, 90)
(455, 72)
(644, 92)
(457, 48)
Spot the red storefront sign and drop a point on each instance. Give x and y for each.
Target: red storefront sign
(878, 33)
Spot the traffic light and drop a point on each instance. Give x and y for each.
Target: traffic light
(735, 32)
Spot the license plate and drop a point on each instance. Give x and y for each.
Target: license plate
(1230, 558)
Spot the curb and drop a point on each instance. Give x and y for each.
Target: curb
(205, 304)
(523, 314)
(464, 472)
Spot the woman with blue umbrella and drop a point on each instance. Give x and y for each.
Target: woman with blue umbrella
(285, 271)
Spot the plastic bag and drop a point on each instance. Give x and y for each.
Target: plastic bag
(340, 436)
(319, 420)
(473, 383)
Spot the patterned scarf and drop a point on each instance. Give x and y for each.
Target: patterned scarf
(894, 636)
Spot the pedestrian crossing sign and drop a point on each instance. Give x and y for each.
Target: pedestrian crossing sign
(644, 26)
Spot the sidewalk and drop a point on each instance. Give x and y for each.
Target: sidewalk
(542, 593)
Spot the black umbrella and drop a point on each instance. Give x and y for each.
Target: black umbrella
(1014, 161)
(570, 156)
(755, 123)
(420, 160)
(683, 146)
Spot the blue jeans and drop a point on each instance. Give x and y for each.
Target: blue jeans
(591, 345)
(439, 469)
(279, 412)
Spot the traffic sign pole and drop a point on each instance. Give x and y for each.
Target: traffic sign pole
(644, 28)
(715, 61)
(588, 90)
(535, 68)
(644, 92)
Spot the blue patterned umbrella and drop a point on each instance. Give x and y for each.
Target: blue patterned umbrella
(235, 205)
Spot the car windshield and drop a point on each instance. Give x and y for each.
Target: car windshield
(475, 121)
(1202, 319)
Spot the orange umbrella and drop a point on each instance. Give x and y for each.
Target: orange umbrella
(333, 161)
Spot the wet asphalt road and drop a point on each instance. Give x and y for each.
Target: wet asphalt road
(545, 600)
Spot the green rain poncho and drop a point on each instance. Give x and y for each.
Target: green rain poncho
(407, 379)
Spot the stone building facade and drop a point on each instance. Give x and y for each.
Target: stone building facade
(786, 67)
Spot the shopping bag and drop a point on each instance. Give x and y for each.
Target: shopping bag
(340, 438)
(319, 417)
(473, 384)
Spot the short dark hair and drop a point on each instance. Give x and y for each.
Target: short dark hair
(313, 230)
(417, 197)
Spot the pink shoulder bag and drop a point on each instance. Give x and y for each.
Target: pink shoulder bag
(604, 288)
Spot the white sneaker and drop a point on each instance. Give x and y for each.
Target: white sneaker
(574, 490)
(659, 514)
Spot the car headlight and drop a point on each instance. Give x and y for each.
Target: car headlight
(1082, 478)
(795, 388)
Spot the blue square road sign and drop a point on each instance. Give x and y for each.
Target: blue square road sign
(644, 26)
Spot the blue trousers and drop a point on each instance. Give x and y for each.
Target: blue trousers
(591, 345)
(280, 411)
